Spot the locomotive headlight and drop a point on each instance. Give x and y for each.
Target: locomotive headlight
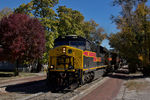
(51, 67)
(64, 50)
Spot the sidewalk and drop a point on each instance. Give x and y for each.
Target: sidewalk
(122, 87)
(136, 88)
(107, 91)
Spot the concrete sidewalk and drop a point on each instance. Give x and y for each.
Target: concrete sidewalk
(135, 88)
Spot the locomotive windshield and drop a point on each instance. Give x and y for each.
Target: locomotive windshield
(77, 44)
(59, 43)
(74, 41)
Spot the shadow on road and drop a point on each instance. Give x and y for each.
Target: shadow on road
(29, 88)
(125, 77)
(121, 74)
(33, 87)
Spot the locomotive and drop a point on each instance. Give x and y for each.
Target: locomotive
(75, 59)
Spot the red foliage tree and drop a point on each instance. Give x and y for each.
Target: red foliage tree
(21, 38)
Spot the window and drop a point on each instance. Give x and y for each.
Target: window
(77, 43)
(59, 43)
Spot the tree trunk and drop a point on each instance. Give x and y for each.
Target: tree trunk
(39, 66)
(132, 67)
(16, 72)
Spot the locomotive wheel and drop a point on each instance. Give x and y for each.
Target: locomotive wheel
(83, 79)
(92, 76)
(86, 78)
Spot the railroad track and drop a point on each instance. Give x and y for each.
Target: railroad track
(20, 88)
(78, 92)
(36, 89)
(21, 80)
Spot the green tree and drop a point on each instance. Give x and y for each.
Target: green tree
(70, 21)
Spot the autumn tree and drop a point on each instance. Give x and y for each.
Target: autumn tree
(133, 26)
(5, 12)
(143, 35)
(43, 10)
(94, 32)
(21, 38)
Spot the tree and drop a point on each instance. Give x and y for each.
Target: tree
(89, 29)
(70, 21)
(66, 22)
(98, 35)
(132, 41)
(22, 38)
(43, 10)
(5, 12)
(93, 32)
(142, 20)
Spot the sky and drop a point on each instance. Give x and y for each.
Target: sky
(98, 10)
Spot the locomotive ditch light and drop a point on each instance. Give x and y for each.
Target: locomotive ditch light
(64, 50)
(70, 67)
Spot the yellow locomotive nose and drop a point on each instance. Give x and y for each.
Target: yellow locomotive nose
(65, 58)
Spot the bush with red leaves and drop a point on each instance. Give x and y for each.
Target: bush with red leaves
(21, 38)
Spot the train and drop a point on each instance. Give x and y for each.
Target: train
(76, 60)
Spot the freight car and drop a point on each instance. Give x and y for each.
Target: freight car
(75, 59)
